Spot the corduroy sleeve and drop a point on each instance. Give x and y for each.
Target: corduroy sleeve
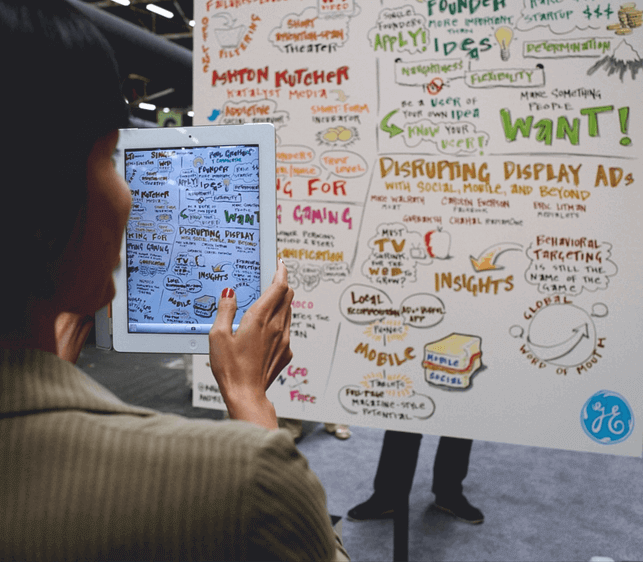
(286, 513)
(85, 476)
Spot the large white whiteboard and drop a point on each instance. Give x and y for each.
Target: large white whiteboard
(459, 194)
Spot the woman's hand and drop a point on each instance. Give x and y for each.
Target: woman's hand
(71, 332)
(246, 363)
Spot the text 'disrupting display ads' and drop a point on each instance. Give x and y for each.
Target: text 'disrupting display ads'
(458, 190)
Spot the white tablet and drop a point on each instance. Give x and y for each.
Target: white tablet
(203, 219)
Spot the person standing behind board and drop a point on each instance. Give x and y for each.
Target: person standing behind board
(395, 471)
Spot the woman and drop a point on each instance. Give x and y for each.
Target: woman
(83, 475)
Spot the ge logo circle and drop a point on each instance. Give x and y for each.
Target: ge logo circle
(607, 418)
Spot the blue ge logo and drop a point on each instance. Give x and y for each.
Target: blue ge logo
(607, 418)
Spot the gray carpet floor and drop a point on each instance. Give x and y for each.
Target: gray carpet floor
(539, 504)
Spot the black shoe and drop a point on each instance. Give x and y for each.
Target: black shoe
(461, 509)
(373, 508)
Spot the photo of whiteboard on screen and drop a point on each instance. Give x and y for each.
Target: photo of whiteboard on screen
(203, 219)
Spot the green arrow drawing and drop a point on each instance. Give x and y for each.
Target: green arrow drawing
(390, 129)
(183, 215)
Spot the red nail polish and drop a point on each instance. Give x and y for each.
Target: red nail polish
(227, 293)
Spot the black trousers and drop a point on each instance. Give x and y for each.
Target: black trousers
(399, 457)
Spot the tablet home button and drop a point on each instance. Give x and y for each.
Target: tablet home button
(192, 344)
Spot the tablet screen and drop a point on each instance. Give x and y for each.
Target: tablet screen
(193, 231)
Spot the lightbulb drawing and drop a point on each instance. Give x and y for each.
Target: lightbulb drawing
(504, 35)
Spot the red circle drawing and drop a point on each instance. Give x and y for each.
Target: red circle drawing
(435, 86)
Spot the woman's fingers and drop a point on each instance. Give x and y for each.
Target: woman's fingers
(284, 354)
(226, 311)
(281, 275)
(271, 302)
(279, 286)
(247, 362)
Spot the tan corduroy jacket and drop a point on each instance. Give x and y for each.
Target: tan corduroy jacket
(84, 476)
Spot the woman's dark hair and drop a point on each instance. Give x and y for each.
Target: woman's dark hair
(61, 92)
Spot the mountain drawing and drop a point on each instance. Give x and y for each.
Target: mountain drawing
(623, 58)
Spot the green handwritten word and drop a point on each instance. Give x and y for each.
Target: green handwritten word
(467, 45)
(491, 20)
(459, 6)
(491, 78)
(431, 68)
(240, 218)
(422, 131)
(584, 47)
(400, 40)
(540, 17)
(545, 127)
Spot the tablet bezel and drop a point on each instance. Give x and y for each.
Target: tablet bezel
(260, 134)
